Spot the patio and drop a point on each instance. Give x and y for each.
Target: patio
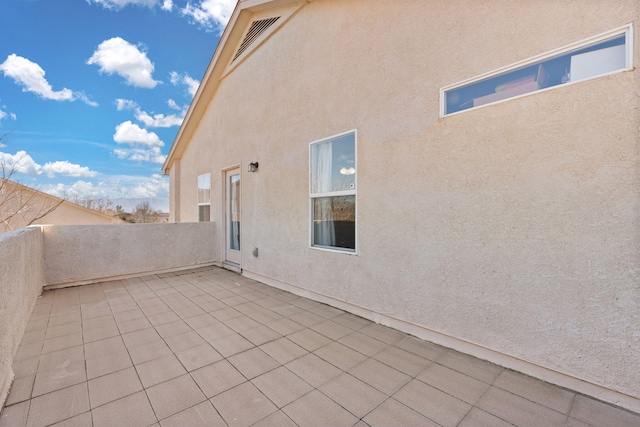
(210, 347)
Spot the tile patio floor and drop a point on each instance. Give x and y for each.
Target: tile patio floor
(209, 347)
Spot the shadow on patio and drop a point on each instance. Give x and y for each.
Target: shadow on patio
(210, 347)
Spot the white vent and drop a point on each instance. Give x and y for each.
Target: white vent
(257, 28)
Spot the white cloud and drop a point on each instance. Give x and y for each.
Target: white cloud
(192, 84)
(167, 5)
(125, 104)
(210, 13)
(20, 162)
(117, 55)
(152, 154)
(31, 77)
(23, 163)
(155, 120)
(159, 120)
(119, 4)
(130, 133)
(125, 190)
(67, 169)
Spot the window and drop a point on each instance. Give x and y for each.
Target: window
(204, 197)
(600, 55)
(332, 192)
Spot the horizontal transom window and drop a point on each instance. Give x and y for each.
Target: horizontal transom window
(594, 57)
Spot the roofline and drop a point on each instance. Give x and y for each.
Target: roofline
(55, 198)
(217, 65)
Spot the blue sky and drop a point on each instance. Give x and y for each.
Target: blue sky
(92, 92)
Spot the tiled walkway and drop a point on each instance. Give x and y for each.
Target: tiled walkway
(209, 347)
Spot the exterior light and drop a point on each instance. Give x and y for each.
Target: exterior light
(253, 166)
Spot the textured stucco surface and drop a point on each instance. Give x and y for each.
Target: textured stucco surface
(21, 281)
(515, 226)
(80, 253)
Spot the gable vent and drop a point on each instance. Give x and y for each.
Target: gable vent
(257, 28)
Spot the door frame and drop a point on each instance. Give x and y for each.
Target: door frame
(231, 256)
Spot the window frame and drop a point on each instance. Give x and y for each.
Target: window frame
(349, 192)
(199, 203)
(626, 30)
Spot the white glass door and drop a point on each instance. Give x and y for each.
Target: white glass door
(233, 212)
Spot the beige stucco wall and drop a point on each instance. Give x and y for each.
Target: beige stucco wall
(21, 281)
(514, 227)
(75, 254)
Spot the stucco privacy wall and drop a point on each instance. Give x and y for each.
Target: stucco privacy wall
(76, 254)
(21, 281)
(514, 227)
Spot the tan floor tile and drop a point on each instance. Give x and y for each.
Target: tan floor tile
(170, 329)
(538, 391)
(133, 410)
(340, 356)
(128, 315)
(20, 390)
(59, 405)
(188, 312)
(213, 332)
(37, 336)
(393, 413)
(599, 414)
(225, 314)
(108, 364)
(478, 418)
(162, 318)
(218, 377)
(309, 340)
(281, 386)
(98, 322)
(454, 383)
(380, 376)
(159, 370)
(60, 343)
(51, 361)
(331, 329)
(316, 409)
(156, 309)
(134, 325)
(196, 357)
(352, 321)
(113, 386)
(201, 415)
(283, 350)
(140, 337)
(432, 403)
(62, 330)
(82, 420)
(95, 312)
(103, 347)
(252, 363)
(313, 369)
(260, 335)
(64, 375)
(91, 335)
(421, 348)
(149, 351)
(518, 410)
(174, 396)
(231, 344)
(243, 405)
(306, 318)
(25, 367)
(471, 366)
(63, 319)
(279, 419)
(285, 326)
(15, 415)
(353, 395)
(184, 341)
(201, 321)
(241, 323)
(363, 343)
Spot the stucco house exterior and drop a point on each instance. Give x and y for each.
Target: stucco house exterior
(20, 205)
(467, 172)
